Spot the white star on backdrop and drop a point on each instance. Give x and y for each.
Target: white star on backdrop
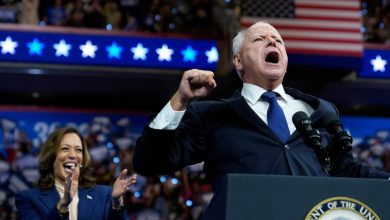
(164, 53)
(8, 46)
(212, 55)
(88, 49)
(378, 64)
(62, 48)
(139, 52)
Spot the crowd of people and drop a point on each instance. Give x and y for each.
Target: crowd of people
(200, 17)
(376, 21)
(161, 16)
(375, 150)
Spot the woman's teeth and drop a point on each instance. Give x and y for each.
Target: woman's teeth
(69, 167)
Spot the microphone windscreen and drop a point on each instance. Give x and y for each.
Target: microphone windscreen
(298, 118)
(331, 121)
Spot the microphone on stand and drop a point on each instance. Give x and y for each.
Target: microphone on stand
(312, 138)
(341, 140)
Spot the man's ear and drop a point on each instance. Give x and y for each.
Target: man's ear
(237, 62)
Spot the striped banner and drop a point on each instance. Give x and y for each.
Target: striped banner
(315, 27)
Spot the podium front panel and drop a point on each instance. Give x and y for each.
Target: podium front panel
(247, 196)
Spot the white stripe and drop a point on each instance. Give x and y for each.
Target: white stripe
(326, 13)
(315, 23)
(324, 46)
(349, 4)
(320, 34)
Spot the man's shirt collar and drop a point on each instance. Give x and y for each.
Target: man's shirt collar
(252, 93)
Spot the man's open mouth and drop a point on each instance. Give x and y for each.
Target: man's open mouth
(272, 57)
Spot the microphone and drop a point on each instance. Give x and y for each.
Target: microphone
(311, 138)
(341, 139)
(334, 127)
(332, 123)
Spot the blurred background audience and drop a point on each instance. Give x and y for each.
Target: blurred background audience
(199, 17)
(376, 21)
(157, 16)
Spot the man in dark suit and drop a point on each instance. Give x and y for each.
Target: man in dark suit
(236, 135)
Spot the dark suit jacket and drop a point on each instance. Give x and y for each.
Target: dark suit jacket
(230, 138)
(94, 203)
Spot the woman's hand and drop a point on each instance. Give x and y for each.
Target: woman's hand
(121, 187)
(70, 189)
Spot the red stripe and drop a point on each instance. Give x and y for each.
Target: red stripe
(327, 18)
(377, 46)
(324, 52)
(28, 108)
(246, 24)
(340, 8)
(301, 27)
(306, 39)
(73, 30)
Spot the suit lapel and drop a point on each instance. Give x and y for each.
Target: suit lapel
(87, 200)
(49, 197)
(319, 107)
(241, 107)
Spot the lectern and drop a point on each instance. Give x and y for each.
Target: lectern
(273, 197)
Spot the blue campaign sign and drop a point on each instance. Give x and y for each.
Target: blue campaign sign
(105, 49)
(368, 132)
(108, 129)
(361, 127)
(375, 63)
(345, 62)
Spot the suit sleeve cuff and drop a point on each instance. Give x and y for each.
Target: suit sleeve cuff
(167, 118)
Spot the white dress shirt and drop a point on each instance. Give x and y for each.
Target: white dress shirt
(168, 119)
(289, 105)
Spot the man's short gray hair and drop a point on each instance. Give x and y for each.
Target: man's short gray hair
(238, 40)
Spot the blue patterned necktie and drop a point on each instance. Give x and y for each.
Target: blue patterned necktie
(275, 116)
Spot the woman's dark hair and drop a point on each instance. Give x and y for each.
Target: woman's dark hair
(48, 155)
